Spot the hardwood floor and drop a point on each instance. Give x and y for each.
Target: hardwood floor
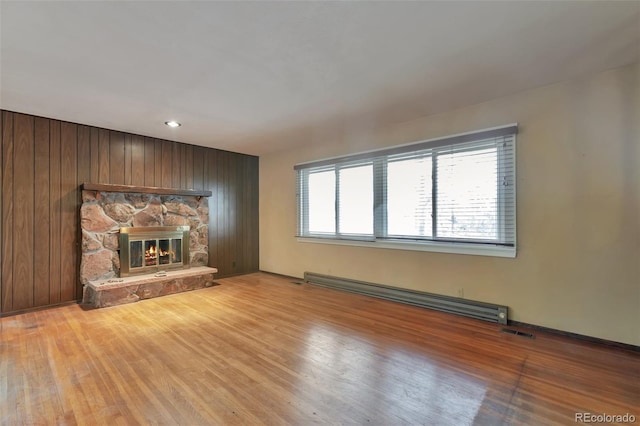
(259, 349)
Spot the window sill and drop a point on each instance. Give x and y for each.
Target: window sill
(438, 247)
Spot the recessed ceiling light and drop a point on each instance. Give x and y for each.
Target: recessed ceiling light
(172, 123)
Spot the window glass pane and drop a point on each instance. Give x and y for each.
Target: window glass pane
(467, 199)
(409, 197)
(322, 200)
(356, 200)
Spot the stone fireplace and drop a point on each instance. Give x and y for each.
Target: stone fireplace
(131, 235)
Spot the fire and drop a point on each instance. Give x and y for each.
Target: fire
(153, 253)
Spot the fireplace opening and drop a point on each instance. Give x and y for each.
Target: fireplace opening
(156, 252)
(145, 250)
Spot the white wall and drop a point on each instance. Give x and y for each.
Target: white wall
(578, 161)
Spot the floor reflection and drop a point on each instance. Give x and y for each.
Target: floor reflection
(384, 384)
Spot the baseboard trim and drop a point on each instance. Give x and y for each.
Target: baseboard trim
(584, 338)
(234, 274)
(287, 277)
(38, 308)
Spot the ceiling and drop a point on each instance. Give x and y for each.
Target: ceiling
(257, 77)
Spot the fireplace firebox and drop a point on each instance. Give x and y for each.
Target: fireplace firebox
(145, 250)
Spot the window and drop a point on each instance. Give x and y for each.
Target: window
(454, 194)
(355, 200)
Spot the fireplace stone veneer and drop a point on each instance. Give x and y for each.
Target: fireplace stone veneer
(103, 214)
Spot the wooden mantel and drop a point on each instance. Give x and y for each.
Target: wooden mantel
(108, 187)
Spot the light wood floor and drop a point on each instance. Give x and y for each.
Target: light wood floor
(258, 349)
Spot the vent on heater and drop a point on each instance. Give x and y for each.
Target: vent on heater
(454, 305)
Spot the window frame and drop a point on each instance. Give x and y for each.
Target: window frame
(304, 218)
(379, 159)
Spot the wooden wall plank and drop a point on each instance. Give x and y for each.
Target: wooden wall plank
(223, 217)
(103, 156)
(7, 211)
(69, 211)
(212, 185)
(183, 165)
(198, 158)
(84, 175)
(137, 160)
(234, 215)
(42, 216)
(176, 167)
(215, 213)
(149, 162)
(238, 229)
(217, 200)
(205, 166)
(23, 211)
(84, 154)
(116, 158)
(246, 208)
(188, 163)
(246, 215)
(95, 155)
(128, 159)
(167, 172)
(55, 207)
(158, 162)
(240, 214)
(255, 209)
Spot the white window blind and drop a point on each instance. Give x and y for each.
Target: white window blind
(459, 189)
(355, 200)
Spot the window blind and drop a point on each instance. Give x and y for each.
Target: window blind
(455, 189)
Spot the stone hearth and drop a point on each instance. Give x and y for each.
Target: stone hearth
(118, 291)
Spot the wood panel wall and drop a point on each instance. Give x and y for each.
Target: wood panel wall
(44, 162)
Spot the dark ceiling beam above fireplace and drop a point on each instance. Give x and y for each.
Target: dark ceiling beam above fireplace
(108, 187)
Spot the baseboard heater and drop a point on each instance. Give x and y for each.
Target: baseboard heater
(454, 305)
